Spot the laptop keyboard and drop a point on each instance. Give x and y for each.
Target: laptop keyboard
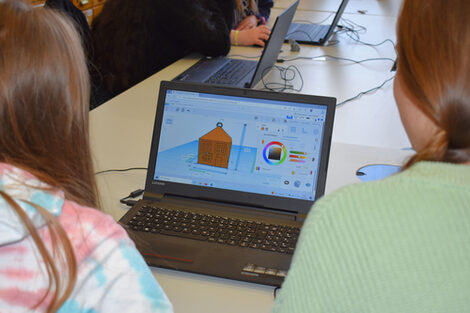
(231, 72)
(310, 31)
(216, 229)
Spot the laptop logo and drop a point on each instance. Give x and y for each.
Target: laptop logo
(160, 183)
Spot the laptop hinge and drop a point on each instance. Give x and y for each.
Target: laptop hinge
(230, 207)
(153, 196)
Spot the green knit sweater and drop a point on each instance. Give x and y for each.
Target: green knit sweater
(398, 245)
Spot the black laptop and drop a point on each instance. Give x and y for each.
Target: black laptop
(315, 34)
(232, 174)
(242, 73)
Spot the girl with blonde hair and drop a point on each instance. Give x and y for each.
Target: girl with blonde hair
(249, 22)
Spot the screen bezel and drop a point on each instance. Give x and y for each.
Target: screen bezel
(274, 43)
(239, 197)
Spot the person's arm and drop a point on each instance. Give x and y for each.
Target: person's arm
(112, 275)
(249, 37)
(253, 20)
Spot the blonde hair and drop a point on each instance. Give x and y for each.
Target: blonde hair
(44, 99)
(434, 65)
(251, 5)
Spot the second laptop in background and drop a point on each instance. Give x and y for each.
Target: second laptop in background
(242, 73)
(314, 34)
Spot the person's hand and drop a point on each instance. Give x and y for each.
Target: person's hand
(248, 22)
(254, 36)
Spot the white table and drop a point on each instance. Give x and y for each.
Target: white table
(367, 131)
(368, 7)
(373, 120)
(121, 138)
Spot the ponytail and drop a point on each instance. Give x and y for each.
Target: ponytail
(435, 70)
(435, 150)
(456, 121)
(452, 142)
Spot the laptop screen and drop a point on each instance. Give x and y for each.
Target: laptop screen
(252, 145)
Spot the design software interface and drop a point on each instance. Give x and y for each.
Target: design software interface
(244, 144)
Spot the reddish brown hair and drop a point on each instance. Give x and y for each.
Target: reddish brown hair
(434, 66)
(44, 96)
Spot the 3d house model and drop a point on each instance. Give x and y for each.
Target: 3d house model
(214, 147)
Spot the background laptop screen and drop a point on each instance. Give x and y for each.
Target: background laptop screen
(243, 144)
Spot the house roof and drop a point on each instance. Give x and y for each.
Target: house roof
(217, 134)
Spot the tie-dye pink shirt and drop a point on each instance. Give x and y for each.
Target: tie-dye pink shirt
(112, 275)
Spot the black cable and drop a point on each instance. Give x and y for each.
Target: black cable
(354, 26)
(121, 170)
(352, 30)
(371, 44)
(133, 194)
(365, 92)
(351, 27)
(336, 58)
(284, 86)
(275, 291)
(284, 73)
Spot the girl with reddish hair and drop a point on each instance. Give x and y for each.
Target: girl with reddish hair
(402, 244)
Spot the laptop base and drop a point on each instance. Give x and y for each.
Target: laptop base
(206, 71)
(216, 71)
(313, 34)
(245, 156)
(233, 260)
